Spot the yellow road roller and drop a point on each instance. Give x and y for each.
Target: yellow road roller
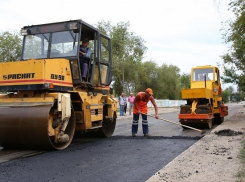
(204, 101)
(45, 98)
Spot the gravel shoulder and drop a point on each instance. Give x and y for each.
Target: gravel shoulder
(212, 158)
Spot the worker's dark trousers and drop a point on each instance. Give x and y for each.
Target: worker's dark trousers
(85, 70)
(136, 123)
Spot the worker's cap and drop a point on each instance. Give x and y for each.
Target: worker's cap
(149, 90)
(85, 40)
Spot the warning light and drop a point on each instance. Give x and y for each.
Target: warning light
(48, 85)
(51, 86)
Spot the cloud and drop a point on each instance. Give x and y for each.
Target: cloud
(182, 33)
(186, 54)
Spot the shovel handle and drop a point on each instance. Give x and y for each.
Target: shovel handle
(201, 131)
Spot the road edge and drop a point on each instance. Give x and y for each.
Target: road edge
(212, 158)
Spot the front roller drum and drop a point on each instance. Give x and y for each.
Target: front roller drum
(27, 127)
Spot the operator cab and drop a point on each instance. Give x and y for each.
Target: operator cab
(63, 40)
(205, 76)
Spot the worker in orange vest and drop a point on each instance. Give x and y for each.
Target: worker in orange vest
(140, 107)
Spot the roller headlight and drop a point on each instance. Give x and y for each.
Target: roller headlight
(25, 32)
(215, 90)
(73, 26)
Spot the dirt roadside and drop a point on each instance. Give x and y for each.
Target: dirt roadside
(213, 158)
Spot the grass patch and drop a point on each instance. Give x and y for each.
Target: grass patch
(241, 172)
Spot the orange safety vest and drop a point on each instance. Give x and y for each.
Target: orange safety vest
(142, 105)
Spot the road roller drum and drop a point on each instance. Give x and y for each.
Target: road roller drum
(29, 124)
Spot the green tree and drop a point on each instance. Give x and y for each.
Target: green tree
(127, 53)
(240, 97)
(233, 34)
(130, 73)
(185, 80)
(168, 82)
(147, 76)
(10, 46)
(230, 89)
(226, 95)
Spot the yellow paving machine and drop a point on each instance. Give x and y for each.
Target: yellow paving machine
(46, 101)
(204, 101)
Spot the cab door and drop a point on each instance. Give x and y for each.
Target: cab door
(102, 70)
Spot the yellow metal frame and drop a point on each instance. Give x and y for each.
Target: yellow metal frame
(193, 107)
(196, 93)
(55, 71)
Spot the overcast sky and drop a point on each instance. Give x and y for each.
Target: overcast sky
(185, 33)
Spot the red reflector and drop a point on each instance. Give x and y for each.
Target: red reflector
(51, 85)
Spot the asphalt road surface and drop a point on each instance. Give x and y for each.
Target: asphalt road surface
(118, 158)
(163, 128)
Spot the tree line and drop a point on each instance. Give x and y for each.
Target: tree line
(132, 74)
(233, 32)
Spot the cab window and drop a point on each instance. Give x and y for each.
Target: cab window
(200, 74)
(64, 44)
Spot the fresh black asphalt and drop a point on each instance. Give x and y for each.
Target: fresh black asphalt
(113, 159)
